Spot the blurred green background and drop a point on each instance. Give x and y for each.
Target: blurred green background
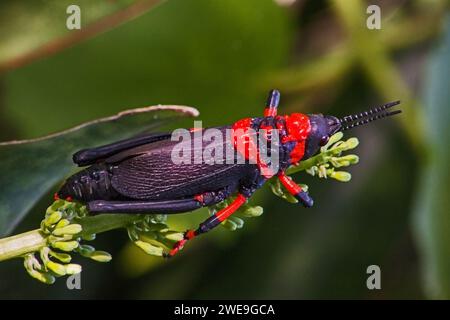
(222, 57)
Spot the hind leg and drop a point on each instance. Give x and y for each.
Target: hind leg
(169, 206)
(159, 206)
(209, 223)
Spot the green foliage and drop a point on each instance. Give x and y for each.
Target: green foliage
(25, 17)
(153, 235)
(432, 207)
(30, 168)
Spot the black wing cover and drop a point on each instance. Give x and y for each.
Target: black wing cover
(148, 172)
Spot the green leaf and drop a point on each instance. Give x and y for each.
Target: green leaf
(432, 209)
(30, 168)
(19, 21)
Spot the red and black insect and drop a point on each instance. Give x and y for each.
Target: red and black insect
(137, 175)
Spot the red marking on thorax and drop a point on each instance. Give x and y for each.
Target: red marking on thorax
(297, 127)
(246, 143)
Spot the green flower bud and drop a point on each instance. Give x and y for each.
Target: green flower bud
(322, 171)
(31, 263)
(337, 148)
(44, 252)
(333, 139)
(230, 225)
(55, 206)
(72, 268)
(65, 245)
(341, 176)
(43, 227)
(52, 218)
(42, 276)
(174, 236)
(238, 221)
(85, 250)
(312, 171)
(352, 143)
(149, 248)
(82, 211)
(63, 257)
(56, 268)
(350, 158)
(51, 238)
(71, 229)
(133, 234)
(100, 256)
(275, 186)
(344, 161)
(62, 223)
(157, 218)
(253, 211)
(280, 191)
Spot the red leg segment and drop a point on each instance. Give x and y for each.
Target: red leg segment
(209, 223)
(295, 190)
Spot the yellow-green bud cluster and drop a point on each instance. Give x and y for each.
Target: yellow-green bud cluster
(63, 234)
(152, 235)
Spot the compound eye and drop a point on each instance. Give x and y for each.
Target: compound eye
(324, 140)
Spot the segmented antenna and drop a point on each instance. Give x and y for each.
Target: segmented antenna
(367, 113)
(376, 117)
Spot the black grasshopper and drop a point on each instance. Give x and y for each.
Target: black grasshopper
(138, 175)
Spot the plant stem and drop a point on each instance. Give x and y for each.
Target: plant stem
(305, 164)
(106, 222)
(31, 241)
(21, 244)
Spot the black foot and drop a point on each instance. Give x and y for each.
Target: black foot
(305, 199)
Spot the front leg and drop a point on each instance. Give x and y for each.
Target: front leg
(272, 103)
(295, 190)
(209, 223)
